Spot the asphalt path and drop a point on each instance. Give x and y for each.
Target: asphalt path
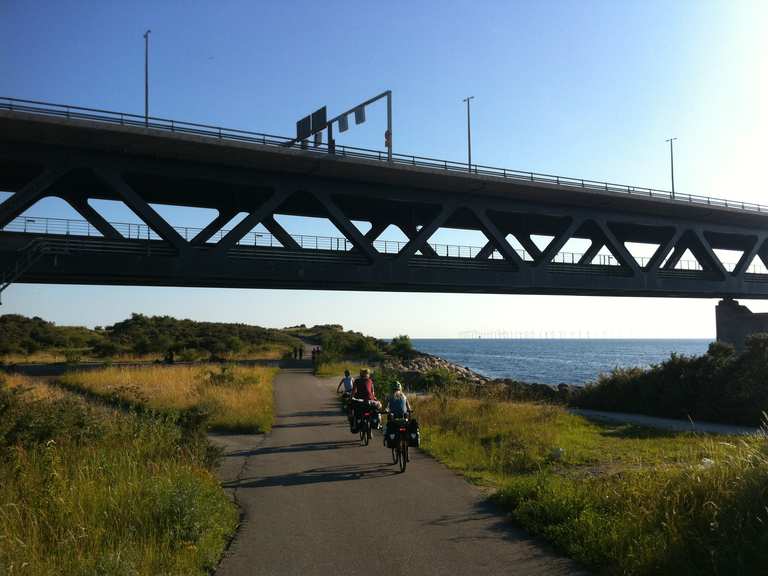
(315, 502)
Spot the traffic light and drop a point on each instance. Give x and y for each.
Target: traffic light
(387, 139)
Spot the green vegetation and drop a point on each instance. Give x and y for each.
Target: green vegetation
(339, 344)
(719, 386)
(90, 490)
(402, 347)
(229, 398)
(138, 337)
(619, 498)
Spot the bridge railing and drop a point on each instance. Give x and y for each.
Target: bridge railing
(220, 133)
(136, 231)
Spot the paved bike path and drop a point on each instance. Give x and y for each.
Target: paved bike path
(315, 502)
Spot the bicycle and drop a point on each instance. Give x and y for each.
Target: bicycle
(363, 416)
(400, 454)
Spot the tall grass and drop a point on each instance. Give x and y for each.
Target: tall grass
(235, 398)
(267, 351)
(622, 499)
(90, 490)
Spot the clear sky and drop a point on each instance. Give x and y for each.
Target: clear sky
(576, 88)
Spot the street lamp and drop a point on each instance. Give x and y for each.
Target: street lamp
(146, 77)
(469, 136)
(672, 163)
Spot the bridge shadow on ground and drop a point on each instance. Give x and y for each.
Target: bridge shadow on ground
(634, 431)
(318, 476)
(304, 425)
(293, 448)
(312, 414)
(501, 526)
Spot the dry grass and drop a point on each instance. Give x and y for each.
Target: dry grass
(34, 358)
(55, 356)
(237, 398)
(35, 388)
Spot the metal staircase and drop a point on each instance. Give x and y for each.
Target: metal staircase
(28, 255)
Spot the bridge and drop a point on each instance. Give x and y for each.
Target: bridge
(81, 154)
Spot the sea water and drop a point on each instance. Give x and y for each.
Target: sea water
(552, 361)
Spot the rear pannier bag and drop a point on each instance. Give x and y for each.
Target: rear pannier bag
(390, 435)
(414, 436)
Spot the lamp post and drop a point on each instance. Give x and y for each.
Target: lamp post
(146, 77)
(469, 135)
(672, 163)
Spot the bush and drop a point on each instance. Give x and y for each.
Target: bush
(402, 347)
(107, 349)
(719, 386)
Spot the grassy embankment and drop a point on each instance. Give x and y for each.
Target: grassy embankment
(86, 489)
(232, 398)
(620, 499)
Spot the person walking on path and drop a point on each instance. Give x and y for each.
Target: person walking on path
(301, 353)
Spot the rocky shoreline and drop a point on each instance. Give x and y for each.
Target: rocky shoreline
(413, 369)
(421, 363)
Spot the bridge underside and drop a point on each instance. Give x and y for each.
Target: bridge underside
(142, 169)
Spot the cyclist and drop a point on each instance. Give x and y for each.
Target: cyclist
(362, 389)
(397, 403)
(398, 408)
(346, 382)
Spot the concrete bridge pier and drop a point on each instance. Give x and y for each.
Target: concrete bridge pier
(735, 322)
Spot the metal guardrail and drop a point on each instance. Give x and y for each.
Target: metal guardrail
(133, 231)
(220, 133)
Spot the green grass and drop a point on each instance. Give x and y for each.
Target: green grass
(90, 490)
(620, 499)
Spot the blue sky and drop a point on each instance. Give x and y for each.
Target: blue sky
(587, 89)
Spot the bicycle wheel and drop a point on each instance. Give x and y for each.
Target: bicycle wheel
(402, 456)
(366, 432)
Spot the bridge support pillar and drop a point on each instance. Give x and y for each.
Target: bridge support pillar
(735, 322)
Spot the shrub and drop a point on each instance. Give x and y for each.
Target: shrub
(718, 386)
(402, 347)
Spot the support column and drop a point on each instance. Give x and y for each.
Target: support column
(736, 322)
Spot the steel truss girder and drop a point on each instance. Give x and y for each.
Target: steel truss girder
(419, 214)
(280, 268)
